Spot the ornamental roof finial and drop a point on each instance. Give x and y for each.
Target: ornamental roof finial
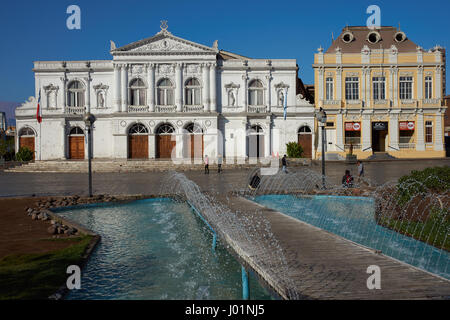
(163, 25)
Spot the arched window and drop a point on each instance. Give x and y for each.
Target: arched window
(26, 132)
(255, 93)
(165, 129)
(138, 128)
(192, 92)
(75, 94)
(76, 131)
(165, 92)
(194, 128)
(256, 129)
(137, 93)
(304, 130)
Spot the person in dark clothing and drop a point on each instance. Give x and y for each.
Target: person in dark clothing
(284, 163)
(254, 182)
(347, 179)
(219, 163)
(206, 164)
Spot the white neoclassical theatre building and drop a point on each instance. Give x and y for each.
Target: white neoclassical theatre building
(166, 97)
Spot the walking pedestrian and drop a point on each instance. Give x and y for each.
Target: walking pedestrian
(219, 163)
(284, 163)
(347, 179)
(206, 164)
(360, 169)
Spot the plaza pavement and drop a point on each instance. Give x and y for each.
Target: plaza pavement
(42, 184)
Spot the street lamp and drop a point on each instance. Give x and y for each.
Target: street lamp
(322, 118)
(89, 120)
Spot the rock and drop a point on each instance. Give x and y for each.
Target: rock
(51, 230)
(60, 230)
(29, 210)
(53, 222)
(34, 216)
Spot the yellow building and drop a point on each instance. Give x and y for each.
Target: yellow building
(383, 95)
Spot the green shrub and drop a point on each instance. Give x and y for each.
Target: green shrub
(294, 150)
(435, 179)
(24, 154)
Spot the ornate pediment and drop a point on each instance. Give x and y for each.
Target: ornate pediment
(164, 43)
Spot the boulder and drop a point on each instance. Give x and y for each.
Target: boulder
(34, 216)
(52, 230)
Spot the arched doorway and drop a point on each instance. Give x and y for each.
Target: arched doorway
(76, 143)
(193, 142)
(256, 142)
(138, 142)
(26, 139)
(164, 143)
(305, 140)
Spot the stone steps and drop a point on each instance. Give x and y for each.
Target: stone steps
(132, 166)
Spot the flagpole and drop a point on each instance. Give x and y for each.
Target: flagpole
(40, 124)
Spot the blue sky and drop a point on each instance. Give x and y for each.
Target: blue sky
(36, 30)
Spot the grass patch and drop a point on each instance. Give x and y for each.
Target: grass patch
(37, 276)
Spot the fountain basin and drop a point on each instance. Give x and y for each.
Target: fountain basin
(155, 249)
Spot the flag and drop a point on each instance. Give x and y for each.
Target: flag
(39, 112)
(285, 103)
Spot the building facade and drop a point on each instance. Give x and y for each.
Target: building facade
(382, 94)
(167, 97)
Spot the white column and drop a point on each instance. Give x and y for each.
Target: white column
(339, 83)
(367, 85)
(64, 92)
(438, 82)
(63, 141)
(366, 133)
(391, 85)
(151, 87)
(117, 96)
(393, 131)
(268, 91)
(395, 86)
(179, 88)
(245, 93)
(124, 87)
(363, 86)
(212, 82)
(88, 93)
(438, 138)
(205, 93)
(420, 83)
(339, 132)
(321, 72)
(420, 143)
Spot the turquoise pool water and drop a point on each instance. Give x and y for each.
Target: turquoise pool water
(353, 219)
(155, 249)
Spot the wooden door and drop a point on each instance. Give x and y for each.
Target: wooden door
(164, 146)
(197, 146)
(305, 140)
(138, 146)
(27, 142)
(76, 147)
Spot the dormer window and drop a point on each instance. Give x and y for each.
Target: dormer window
(373, 37)
(400, 36)
(347, 37)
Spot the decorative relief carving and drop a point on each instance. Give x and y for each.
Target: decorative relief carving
(193, 68)
(165, 69)
(51, 92)
(137, 69)
(166, 44)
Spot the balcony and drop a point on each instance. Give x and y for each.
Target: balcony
(193, 108)
(381, 103)
(137, 109)
(408, 103)
(354, 104)
(257, 109)
(74, 110)
(331, 103)
(403, 146)
(166, 109)
(431, 102)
